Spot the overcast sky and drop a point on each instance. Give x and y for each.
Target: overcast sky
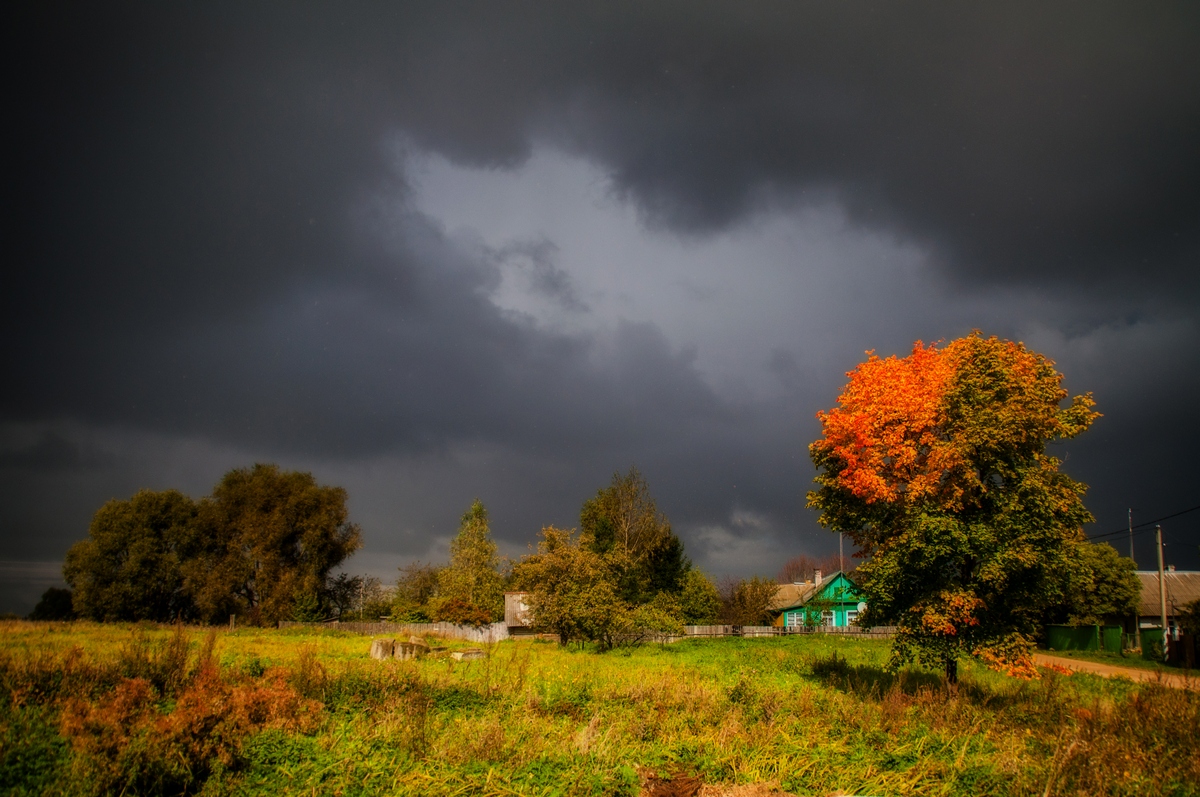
(434, 252)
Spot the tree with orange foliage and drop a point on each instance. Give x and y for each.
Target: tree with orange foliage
(935, 465)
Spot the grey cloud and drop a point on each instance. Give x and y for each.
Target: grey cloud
(537, 260)
(51, 451)
(212, 239)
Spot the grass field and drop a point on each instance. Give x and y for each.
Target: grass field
(147, 710)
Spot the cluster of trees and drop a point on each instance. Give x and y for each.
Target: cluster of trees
(622, 576)
(935, 465)
(261, 547)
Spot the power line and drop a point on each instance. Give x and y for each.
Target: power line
(1142, 528)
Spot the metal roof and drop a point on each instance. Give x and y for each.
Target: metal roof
(1183, 586)
(791, 596)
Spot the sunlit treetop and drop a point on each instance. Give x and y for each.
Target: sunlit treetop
(944, 423)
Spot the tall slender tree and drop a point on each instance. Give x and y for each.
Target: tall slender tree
(473, 576)
(622, 521)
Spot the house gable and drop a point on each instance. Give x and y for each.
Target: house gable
(835, 602)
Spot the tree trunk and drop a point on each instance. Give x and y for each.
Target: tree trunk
(952, 671)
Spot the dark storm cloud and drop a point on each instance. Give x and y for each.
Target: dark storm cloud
(210, 229)
(1020, 141)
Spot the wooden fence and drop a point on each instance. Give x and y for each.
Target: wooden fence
(499, 631)
(878, 632)
(488, 633)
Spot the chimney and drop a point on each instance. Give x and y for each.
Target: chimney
(817, 578)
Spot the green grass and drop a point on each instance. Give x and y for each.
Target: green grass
(811, 714)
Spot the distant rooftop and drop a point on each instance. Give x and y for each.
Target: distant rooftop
(1183, 586)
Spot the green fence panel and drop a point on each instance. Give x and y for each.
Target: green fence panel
(1110, 638)
(1152, 644)
(1073, 637)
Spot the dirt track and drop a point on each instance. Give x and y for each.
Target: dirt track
(1177, 680)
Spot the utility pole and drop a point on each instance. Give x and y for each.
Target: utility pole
(1137, 642)
(841, 556)
(1162, 590)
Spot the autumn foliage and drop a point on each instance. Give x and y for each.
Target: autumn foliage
(159, 720)
(886, 429)
(935, 465)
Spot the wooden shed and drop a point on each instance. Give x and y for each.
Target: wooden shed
(517, 615)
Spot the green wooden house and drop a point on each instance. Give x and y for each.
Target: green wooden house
(832, 601)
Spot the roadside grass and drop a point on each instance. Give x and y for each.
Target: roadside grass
(266, 712)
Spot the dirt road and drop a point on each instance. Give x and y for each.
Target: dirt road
(1177, 680)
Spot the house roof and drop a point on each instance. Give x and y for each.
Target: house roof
(790, 596)
(1183, 586)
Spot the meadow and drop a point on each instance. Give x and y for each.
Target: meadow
(111, 709)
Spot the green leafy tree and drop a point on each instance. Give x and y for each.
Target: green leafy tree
(747, 601)
(361, 598)
(573, 589)
(473, 575)
(343, 594)
(264, 537)
(415, 590)
(699, 600)
(1189, 618)
(129, 567)
(55, 605)
(307, 608)
(623, 523)
(935, 465)
(1102, 584)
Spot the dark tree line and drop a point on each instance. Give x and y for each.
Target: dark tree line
(260, 547)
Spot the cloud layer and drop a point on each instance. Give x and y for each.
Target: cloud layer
(441, 252)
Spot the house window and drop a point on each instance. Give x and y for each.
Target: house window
(851, 617)
(793, 620)
(827, 618)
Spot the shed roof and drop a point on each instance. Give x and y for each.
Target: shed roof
(1183, 586)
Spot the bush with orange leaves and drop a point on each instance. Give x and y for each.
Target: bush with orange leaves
(124, 742)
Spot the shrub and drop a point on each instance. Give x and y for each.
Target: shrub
(124, 743)
(459, 612)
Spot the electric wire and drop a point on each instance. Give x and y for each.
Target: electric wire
(1142, 528)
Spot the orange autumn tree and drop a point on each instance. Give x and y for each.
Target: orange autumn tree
(935, 465)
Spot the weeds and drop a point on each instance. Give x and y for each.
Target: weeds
(287, 713)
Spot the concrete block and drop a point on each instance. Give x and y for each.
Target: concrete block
(382, 648)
